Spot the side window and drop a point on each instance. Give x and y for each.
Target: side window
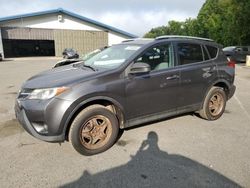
(158, 57)
(238, 49)
(189, 53)
(206, 57)
(245, 49)
(212, 51)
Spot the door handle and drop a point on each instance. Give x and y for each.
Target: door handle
(174, 77)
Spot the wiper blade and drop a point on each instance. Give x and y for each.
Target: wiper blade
(88, 66)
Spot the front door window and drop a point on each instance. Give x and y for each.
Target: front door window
(158, 57)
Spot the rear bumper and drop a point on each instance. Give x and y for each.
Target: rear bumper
(231, 92)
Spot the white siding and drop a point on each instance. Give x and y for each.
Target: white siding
(51, 22)
(115, 39)
(1, 44)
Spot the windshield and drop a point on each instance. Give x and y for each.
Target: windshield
(231, 48)
(112, 57)
(90, 54)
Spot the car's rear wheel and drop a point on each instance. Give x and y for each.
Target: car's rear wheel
(94, 130)
(214, 104)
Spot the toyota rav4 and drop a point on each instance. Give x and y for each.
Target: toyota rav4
(132, 83)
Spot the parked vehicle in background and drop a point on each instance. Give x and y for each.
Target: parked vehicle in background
(82, 59)
(70, 53)
(237, 53)
(128, 84)
(1, 57)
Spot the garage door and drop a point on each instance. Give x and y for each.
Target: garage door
(24, 42)
(82, 41)
(20, 42)
(28, 48)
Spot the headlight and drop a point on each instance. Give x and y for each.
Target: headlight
(47, 93)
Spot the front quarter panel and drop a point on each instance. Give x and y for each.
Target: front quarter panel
(109, 87)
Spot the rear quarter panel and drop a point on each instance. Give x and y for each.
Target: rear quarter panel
(223, 70)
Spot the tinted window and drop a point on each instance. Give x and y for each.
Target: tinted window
(212, 51)
(238, 49)
(158, 57)
(206, 57)
(189, 53)
(245, 49)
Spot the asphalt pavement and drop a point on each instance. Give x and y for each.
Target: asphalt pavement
(183, 151)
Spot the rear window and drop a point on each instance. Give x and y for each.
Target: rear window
(213, 51)
(189, 53)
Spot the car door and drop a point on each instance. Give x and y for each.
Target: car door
(154, 92)
(197, 71)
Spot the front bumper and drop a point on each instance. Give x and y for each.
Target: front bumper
(43, 120)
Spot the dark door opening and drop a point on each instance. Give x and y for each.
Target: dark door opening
(27, 48)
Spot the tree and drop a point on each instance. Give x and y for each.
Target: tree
(241, 21)
(225, 21)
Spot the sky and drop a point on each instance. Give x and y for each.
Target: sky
(134, 16)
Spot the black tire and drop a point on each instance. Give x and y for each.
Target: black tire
(211, 109)
(94, 130)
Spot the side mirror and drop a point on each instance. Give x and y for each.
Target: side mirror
(140, 68)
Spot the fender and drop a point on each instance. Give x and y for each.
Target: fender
(79, 105)
(213, 84)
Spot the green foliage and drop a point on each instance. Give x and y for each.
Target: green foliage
(225, 21)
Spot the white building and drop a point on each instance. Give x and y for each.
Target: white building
(48, 33)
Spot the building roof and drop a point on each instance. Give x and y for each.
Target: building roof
(60, 10)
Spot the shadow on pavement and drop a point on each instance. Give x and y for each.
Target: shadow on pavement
(151, 167)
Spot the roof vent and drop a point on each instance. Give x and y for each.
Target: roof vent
(60, 18)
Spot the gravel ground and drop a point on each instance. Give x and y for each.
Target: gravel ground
(184, 151)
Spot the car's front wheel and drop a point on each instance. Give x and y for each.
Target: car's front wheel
(94, 130)
(214, 104)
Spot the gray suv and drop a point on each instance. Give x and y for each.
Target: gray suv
(237, 53)
(135, 82)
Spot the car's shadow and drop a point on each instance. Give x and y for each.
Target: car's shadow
(151, 167)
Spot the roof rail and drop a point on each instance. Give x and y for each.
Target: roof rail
(182, 36)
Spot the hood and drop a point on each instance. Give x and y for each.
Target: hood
(61, 76)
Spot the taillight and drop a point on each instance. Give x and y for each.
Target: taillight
(231, 63)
